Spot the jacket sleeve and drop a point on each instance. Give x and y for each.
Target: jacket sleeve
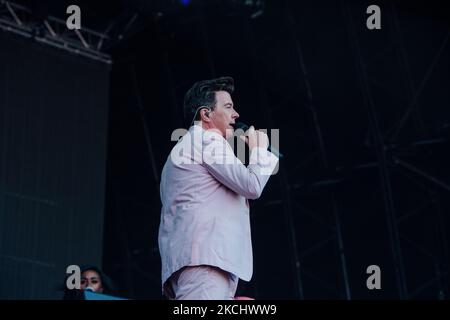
(220, 161)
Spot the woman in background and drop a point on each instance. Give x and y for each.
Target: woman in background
(93, 279)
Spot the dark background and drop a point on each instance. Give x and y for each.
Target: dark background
(364, 120)
(53, 134)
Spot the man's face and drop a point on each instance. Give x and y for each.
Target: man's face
(224, 116)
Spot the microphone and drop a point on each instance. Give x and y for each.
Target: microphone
(89, 289)
(243, 126)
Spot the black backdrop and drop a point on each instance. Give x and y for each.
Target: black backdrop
(53, 126)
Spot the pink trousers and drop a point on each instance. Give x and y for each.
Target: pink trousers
(201, 283)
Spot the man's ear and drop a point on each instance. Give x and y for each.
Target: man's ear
(204, 114)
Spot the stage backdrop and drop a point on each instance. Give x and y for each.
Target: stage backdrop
(53, 126)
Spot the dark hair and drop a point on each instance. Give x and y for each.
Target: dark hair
(203, 93)
(107, 284)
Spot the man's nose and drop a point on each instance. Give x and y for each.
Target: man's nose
(235, 115)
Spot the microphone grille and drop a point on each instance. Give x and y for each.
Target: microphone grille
(241, 125)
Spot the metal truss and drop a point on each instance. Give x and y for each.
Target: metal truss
(391, 156)
(53, 32)
(93, 44)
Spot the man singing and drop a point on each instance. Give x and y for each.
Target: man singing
(204, 234)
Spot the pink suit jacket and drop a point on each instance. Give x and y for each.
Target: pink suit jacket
(205, 212)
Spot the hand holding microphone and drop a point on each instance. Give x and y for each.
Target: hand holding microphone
(257, 138)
